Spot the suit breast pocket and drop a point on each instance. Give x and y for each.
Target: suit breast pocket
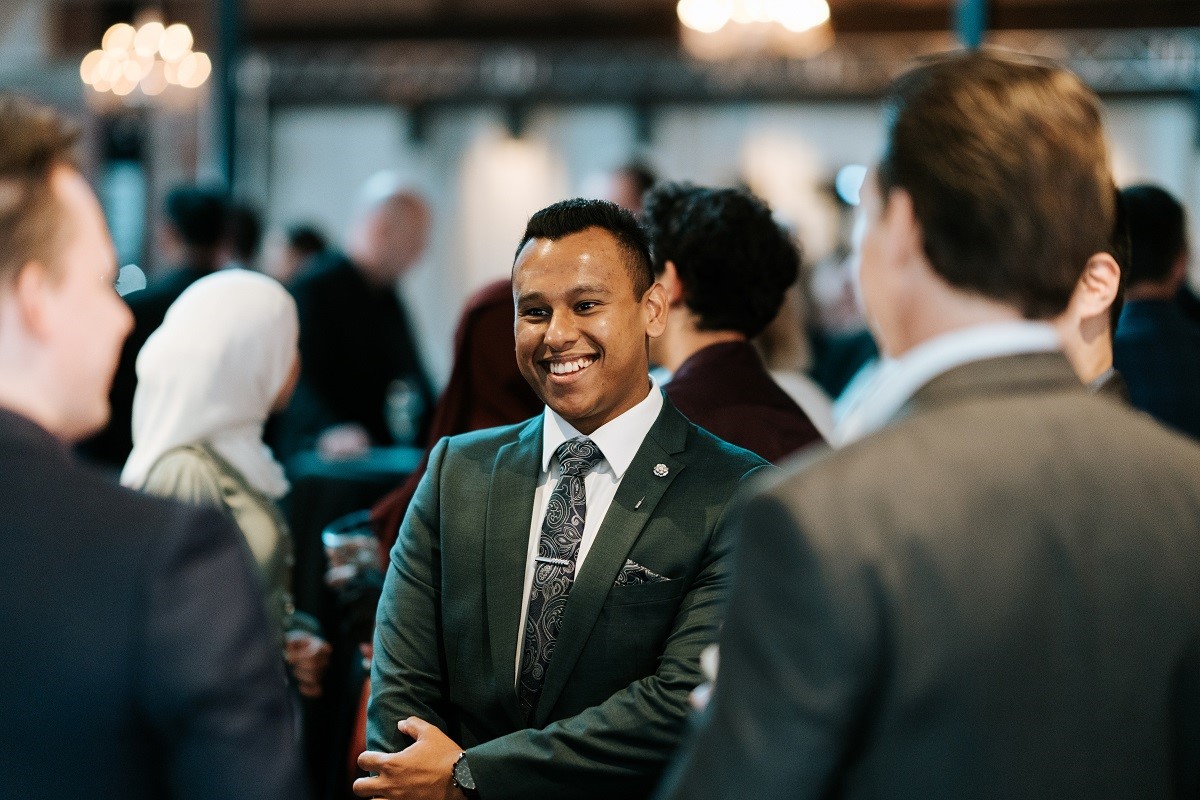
(644, 593)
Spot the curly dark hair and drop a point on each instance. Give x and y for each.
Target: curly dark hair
(734, 260)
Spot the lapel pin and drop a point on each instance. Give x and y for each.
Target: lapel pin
(638, 504)
(661, 470)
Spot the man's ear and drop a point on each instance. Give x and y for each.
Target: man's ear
(1098, 286)
(671, 283)
(29, 293)
(905, 239)
(656, 308)
(1179, 270)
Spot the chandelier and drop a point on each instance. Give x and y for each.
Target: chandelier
(150, 56)
(720, 29)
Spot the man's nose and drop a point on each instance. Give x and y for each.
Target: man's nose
(561, 333)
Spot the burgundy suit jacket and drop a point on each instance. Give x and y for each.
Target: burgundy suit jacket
(726, 389)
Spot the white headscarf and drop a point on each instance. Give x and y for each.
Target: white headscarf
(212, 372)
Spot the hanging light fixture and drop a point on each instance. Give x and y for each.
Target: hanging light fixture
(717, 29)
(150, 56)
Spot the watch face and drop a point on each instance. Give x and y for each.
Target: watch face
(462, 774)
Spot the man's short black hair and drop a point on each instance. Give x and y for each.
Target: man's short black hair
(1157, 233)
(243, 232)
(197, 213)
(572, 216)
(734, 260)
(306, 238)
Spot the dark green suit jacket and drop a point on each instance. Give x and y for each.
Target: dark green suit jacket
(615, 696)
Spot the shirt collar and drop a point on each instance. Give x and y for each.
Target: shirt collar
(897, 380)
(618, 439)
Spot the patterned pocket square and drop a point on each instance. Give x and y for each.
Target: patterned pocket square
(634, 574)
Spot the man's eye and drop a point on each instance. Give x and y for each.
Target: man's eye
(533, 312)
(586, 305)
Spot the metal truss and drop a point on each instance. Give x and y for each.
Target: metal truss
(416, 74)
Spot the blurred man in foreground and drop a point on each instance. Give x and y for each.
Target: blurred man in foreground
(972, 598)
(135, 658)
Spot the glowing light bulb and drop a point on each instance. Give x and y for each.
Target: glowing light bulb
(145, 41)
(117, 38)
(175, 43)
(706, 16)
(88, 68)
(194, 70)
(155, 83)
(802, 15)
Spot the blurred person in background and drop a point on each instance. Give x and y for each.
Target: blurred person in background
(973, 597)
(135, 658)
(627, 186)
(291, 252)
(190, 242)
(241, 237)
(787, 354)
(1157, 347)
(843, 348)
(223, 359)
(362, 383)
(725, 265)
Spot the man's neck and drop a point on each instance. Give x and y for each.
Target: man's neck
(25, 403)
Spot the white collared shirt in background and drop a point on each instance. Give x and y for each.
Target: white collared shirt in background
(898, 379)
(619, 440)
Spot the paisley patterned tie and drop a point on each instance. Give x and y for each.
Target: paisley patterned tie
(554, 566)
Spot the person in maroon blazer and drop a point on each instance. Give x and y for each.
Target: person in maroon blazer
(726, 265)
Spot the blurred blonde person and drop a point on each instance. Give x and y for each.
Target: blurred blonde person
(224, 358)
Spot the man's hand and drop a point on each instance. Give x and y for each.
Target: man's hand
(422, 771)
(308, 657)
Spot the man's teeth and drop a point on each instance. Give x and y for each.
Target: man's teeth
(567, 367)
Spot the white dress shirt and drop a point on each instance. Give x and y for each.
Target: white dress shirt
(618, 440)
(897, 380)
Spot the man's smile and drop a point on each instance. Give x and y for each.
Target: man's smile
(569, 368)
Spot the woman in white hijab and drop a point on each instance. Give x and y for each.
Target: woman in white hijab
(224, 358)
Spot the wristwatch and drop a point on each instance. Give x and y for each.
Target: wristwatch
(461, 779)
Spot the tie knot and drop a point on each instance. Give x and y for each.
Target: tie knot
(578, 456)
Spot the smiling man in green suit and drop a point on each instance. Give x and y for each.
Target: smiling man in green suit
(554, 582)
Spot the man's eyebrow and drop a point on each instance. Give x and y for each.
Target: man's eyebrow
(574, 291)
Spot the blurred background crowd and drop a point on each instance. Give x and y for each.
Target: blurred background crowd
(380, 158)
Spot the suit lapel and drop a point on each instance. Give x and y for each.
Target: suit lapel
(506, 546)
(635, 501)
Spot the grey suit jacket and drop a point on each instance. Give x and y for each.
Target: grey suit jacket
(614, 700)
(998, 596)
